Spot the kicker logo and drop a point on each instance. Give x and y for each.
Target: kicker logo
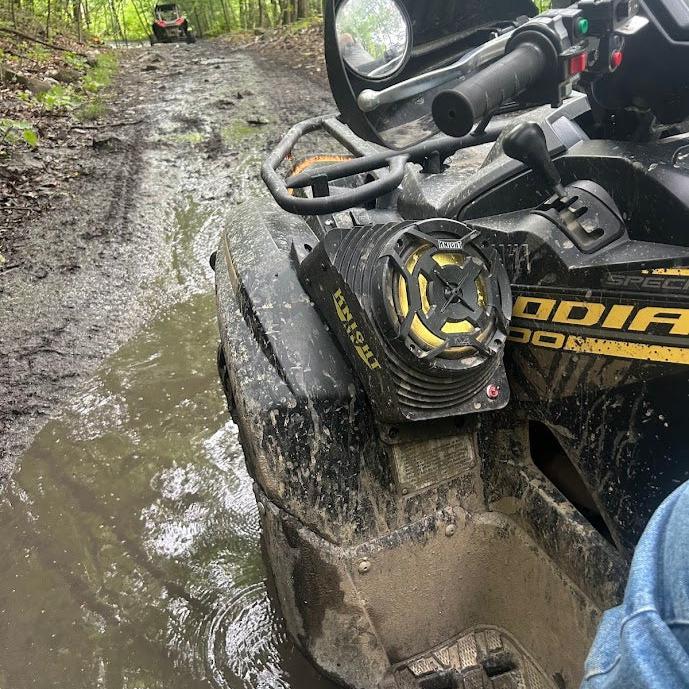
(353, 332)
(450, 244)
(651, 333)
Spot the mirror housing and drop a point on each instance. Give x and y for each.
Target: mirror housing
(440, 32)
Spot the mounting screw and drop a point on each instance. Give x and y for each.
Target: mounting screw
(405, 491)
(493, 391)
(364, 566)
(450, 530)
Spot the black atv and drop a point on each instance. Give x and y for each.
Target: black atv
(170, 25)
(459, 362)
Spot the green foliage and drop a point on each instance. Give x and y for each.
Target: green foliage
(60, 97)
(83, 101)
(75, 61)
(16, 131)
(38, 53)
(131, 19)
(305, 23)
(206, 17)
(100, 76)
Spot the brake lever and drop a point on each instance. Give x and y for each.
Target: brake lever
(370, 100)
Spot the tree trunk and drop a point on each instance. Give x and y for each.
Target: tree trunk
(116, 28)
(286, 14)
(233, 16)
(47, 22)
(302, 9)
(276, 13)
(139, 15)
(87, 15)
(124, 28)
(225, 15)
(77, 18)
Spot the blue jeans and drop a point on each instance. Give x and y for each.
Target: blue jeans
(644, 643)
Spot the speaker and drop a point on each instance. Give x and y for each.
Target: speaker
(422, 311)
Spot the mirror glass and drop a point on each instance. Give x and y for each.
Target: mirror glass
(373, 37)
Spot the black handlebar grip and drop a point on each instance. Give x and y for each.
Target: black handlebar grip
(456, 110)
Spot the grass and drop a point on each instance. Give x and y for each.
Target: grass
(83, 100)
(100, 76)
(93, 109)
(187, 138)
(236, 132)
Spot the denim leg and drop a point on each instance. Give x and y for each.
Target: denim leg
(644, 643)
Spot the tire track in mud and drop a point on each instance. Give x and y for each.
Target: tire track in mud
(132, 233)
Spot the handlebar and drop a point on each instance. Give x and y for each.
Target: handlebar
(455, 111)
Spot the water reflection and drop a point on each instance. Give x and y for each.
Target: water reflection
(130, 552)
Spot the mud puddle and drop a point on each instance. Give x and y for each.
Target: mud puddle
(131, 549)
(130, 554)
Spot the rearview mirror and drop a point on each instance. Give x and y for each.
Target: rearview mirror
(373, 37)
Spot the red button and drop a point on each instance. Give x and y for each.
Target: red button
(616, 59)
(577, 64)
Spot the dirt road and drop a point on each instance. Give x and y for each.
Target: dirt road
(130, 233)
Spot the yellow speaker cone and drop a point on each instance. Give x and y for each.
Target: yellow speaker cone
(419, 332)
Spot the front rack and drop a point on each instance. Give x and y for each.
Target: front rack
(430, 154)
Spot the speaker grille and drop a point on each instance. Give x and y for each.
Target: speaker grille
(431, 300)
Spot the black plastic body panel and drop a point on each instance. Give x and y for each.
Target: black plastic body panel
(296, 393)
(289, 384)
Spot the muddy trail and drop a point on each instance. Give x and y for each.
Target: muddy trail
(136, 215)
(131, 548)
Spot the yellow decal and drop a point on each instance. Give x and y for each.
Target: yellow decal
(543, 338)
(655, 321)
(533, 308)
(678, 318)
(667, 271)
(617, 317)
(353, 332)
(578, 313)
(627, 350)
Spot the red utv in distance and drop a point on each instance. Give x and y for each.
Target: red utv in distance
(170, 25)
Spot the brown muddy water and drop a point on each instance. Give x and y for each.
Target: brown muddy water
(130, 555)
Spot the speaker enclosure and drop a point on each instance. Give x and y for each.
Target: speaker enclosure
(421, 309)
